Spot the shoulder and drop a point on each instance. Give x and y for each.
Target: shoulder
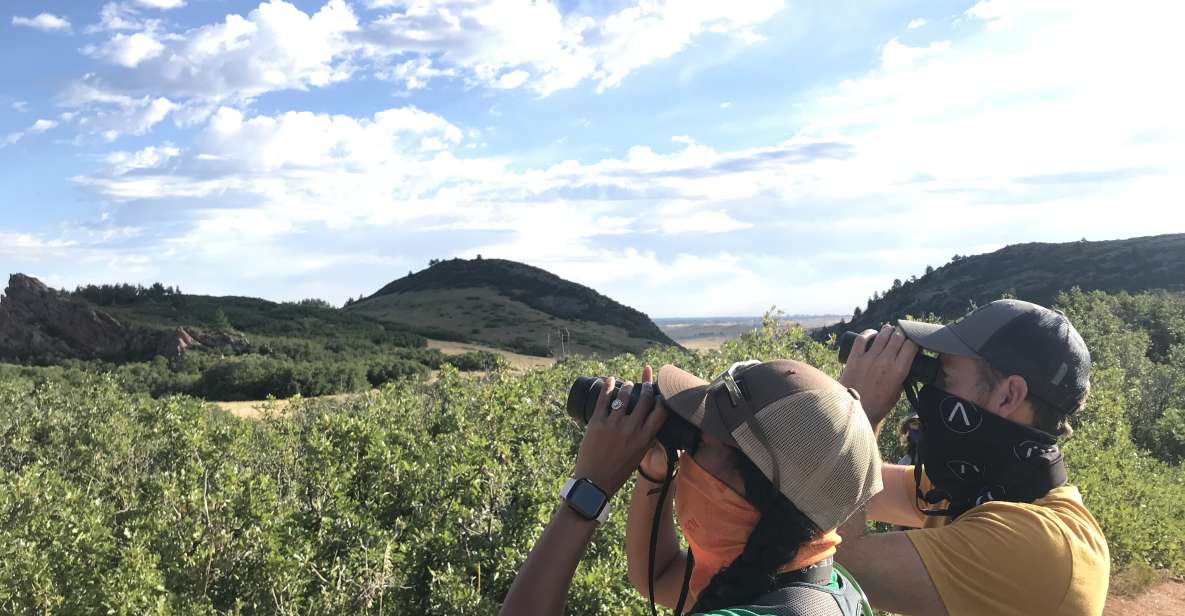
(1052, 547)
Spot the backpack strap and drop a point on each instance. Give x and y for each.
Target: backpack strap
(840, 596)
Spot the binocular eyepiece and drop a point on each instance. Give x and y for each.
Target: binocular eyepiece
(676, 432)
(923, 370)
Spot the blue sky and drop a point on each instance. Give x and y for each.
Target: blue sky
(686, 158)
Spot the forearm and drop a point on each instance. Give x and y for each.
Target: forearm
(541, 586)
(637, 534)
(888, 569)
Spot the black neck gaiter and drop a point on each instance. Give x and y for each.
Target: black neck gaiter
(973, 456)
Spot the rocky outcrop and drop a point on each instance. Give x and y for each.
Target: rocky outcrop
(174, 343)
(37, 322)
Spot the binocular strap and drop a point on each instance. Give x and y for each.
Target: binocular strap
(662, 502)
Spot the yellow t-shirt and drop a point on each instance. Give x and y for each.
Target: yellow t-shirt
(1047, 557)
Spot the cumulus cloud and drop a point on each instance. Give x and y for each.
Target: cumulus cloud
(916, 23)
(112, 114)
(163, 5)
(40, 126)
(275, 47)
(27, 245)
(897, 55)
(122, 16)
(538, 45)
(150, 157)
(127, 50)
(46, 22)
(938, 149)
(414, 74)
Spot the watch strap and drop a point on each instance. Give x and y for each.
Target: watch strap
(602, 515)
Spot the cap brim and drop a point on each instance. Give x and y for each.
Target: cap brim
(687, 395)
(937, 338)
(683, 392)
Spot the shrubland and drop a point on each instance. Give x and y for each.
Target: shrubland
(425, 498)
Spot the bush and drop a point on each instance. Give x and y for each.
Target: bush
(417, 498)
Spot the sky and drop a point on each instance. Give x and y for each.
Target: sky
(684, 158)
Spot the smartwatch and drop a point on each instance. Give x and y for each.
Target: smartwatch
(586, 499)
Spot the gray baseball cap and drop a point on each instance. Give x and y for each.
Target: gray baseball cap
(1017, 337)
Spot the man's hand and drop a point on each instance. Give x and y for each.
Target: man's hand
(614, 442)
(879, 372)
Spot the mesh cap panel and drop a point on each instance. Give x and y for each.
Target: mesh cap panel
(821, 449)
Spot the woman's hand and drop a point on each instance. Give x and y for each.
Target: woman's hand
(614, 442)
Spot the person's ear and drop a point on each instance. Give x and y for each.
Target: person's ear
(1011, 395)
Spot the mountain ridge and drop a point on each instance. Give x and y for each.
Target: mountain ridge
(1032, 271)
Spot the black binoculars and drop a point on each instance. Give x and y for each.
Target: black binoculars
(923, 370)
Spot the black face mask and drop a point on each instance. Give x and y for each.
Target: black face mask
(973, 456)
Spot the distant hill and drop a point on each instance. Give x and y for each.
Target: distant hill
(510, 305)
(1033, 272)
(131, 323)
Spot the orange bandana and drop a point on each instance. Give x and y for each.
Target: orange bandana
(716, 521)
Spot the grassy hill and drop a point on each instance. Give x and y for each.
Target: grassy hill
(510, 305)
(1034, 272)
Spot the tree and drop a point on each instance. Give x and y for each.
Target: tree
(856, 313)
(896, 284)
(929, 270)
(220, 322)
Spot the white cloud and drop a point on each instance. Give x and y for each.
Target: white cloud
(46, 22)
(557, 51)
(896, 55)
(939, 149)
(20, 106)
(163, 5)
(684, 217)
(725, 105)
(988, 10)
(916, 23)
(25, 245)
(40, 126)
(116, 16)
(127, 51)
(415, 74)
(275, 47)
(112, 114)
(511, 80)
(11, 138)
(150, 157)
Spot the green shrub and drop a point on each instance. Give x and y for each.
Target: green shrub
(416, 498)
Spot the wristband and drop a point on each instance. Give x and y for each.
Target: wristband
(648, 477)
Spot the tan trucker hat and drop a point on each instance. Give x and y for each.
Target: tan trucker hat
(806, 432)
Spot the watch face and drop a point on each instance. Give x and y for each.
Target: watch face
(586, 498)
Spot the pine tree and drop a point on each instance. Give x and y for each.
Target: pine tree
(219, 321)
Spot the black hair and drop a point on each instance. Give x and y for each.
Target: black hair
(773, 542)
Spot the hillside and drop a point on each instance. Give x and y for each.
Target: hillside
(510, 305)
(123, 323)
(1035, 272)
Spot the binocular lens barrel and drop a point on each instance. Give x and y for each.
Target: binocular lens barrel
(676, 433)
(924, 369)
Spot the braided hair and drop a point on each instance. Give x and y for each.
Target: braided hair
(773, 542)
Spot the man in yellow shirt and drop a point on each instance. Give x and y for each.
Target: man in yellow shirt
(999, 531)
